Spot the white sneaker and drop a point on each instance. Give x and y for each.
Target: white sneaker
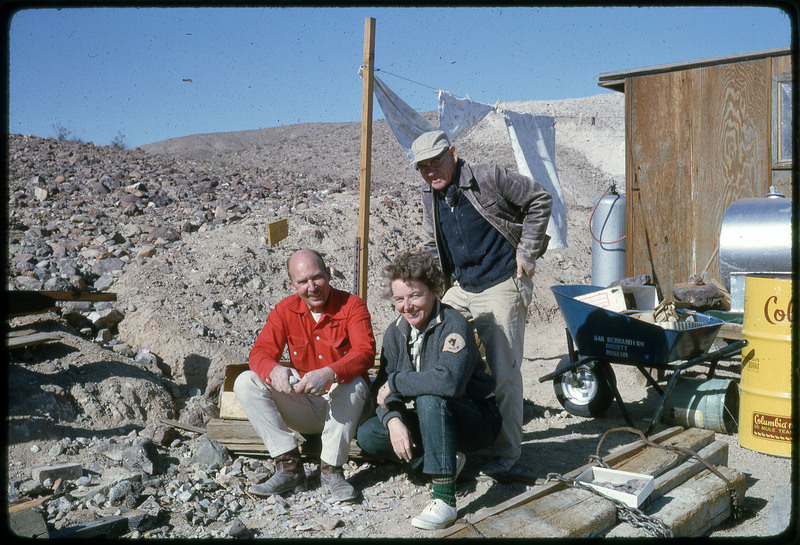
(461, 461)
(435, 516)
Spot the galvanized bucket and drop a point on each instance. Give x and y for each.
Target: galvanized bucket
(711, 404)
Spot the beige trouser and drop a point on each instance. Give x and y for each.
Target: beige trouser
(499, 316)
(336, 415)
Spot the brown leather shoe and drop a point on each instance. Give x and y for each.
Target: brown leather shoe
(333, 482)
(289, 475)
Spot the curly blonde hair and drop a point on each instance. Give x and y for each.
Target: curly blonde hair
(414, 265)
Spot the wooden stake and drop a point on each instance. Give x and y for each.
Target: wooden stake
(366, 154)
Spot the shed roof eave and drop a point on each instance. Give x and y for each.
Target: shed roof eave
(616, 80)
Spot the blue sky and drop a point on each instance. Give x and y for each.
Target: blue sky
(148, 74)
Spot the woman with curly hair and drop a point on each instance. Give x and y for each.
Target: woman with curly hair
(434, 398)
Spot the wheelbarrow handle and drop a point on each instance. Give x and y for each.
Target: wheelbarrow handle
(724, 352)
(566, 369)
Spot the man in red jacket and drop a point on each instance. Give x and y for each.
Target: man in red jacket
(323, 391)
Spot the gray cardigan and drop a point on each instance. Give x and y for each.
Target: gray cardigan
(450, 363)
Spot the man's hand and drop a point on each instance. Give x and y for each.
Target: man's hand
(527, 267)
(315, 382)
(402, 442)
(279, 378)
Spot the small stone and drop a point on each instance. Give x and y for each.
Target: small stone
(236, 528)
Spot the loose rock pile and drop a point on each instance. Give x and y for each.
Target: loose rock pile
(182, 242)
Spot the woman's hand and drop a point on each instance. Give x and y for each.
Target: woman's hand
(402, 442)
(383, 393)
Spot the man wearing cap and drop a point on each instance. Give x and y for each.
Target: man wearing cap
(325, 388)
(486, 226)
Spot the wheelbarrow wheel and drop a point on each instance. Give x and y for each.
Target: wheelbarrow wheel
(584, 391)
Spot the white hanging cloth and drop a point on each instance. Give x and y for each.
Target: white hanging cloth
(458, 115)
(533, 138)
(405, 122)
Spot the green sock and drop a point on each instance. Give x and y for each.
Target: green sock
(444, 488)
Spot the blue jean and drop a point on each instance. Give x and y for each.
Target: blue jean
(439, 426)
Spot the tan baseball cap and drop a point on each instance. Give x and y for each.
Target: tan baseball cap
(428, 145)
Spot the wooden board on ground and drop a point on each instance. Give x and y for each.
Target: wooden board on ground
(22, 302)
(543, 510)
(240, 437)
(694, 508)
(33, 339)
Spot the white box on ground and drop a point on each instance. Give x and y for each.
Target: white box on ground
(611, 481)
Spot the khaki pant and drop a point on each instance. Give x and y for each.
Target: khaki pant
(499, 316)
(274, 415)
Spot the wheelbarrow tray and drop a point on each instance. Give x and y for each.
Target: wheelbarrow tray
(614, 336)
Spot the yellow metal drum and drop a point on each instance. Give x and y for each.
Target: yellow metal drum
(765, 399)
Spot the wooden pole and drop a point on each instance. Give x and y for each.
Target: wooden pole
(366, 155)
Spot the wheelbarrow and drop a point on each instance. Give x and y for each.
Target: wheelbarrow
(584, 380)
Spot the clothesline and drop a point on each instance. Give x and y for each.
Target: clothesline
(532, 138)
(497, 107)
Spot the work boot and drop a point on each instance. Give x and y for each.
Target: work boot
(289, 475)
(332, 480)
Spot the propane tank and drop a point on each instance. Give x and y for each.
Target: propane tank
(756, 236)
(607, 227)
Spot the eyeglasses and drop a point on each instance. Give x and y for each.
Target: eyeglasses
(436, 162)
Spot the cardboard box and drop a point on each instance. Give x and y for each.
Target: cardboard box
(614, 299)
(602, 479)
(229, 406)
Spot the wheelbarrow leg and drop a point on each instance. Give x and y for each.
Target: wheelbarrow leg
(618, 397)
(650, 380)
(660, 409)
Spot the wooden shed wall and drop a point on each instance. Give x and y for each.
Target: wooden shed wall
(697, 140)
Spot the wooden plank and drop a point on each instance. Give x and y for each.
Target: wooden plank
(31, 340)
(553, 514)
(571, 512)
(614, 457)
(110, 527)
(659, 184)
(692, 509)
(715, 454)
(277, 231)
(23, 302)
(181, 425)
(20, 332)
(367, 75)
(561, 514)
(232, 431)
(654, 461)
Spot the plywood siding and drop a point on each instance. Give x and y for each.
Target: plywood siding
(730, 148)
(659, 196)
(697, 140)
